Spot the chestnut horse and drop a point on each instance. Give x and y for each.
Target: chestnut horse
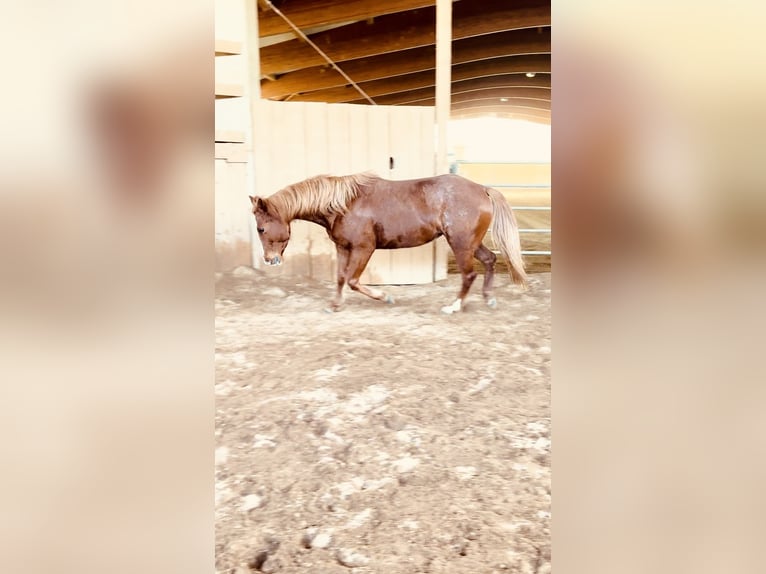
(363, 212)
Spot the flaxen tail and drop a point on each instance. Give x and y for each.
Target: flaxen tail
(505, 233)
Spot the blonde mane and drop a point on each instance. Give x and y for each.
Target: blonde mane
(322, 194)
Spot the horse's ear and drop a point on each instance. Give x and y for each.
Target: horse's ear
(257, 203)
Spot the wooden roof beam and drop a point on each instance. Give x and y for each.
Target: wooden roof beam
(508, 94)
(311, 13)
(302, 36)
(495, 101)
(502, 67)
(424, 96)
(503, 44)
(541, 81)
(401, 31)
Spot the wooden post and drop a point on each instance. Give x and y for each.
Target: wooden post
(443, 103)
(253, 50)
(443, 80)
(253, 93)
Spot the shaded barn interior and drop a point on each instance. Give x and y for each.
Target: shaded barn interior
(359, 54)
(388, 49)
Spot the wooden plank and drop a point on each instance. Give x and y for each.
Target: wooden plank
(227, 47)
(232, 152)
(229, 91)
(339, 152)
(378, 142)
(310, 13)
(359, 160)
(401, 31)
(315, 140)
(229, 136)
(222, 227)
(263, 151)
(232, 235)
(504, 44)
(413, 135)
(426, 151)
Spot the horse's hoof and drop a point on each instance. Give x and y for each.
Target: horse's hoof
(454, 308)
(390, 300)
(331, 310)
(492, 303)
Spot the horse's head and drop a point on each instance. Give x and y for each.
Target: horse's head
(273, 231)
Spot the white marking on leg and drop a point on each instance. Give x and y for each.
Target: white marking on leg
(455, 307)
(377, 293)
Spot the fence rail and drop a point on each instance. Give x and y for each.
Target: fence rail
(533, 208)
(510, 186)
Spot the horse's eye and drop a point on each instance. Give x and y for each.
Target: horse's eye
(260, 230)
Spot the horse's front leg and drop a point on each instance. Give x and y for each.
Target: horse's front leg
(357, 261)
(343, 254)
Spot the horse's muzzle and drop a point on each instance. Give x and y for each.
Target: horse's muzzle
(276, 260)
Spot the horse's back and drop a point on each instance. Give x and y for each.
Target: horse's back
(408, 213)
(435, 191)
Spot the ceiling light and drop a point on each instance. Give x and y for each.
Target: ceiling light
(503, 99)
(530, 74)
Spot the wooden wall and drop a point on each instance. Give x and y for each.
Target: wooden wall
(233, 152)
(262, 146)
(297, 140)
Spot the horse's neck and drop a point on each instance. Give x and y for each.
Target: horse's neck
(323, 220)
(290, 213)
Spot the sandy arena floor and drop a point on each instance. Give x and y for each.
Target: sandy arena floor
(385, 439)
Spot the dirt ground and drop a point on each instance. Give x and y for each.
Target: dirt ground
(386, 439)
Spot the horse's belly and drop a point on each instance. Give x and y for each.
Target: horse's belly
(392, 238)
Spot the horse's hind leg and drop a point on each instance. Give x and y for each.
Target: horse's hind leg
(357, 261)
(488, 259)
(464, 260)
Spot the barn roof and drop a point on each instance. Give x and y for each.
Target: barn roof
(500, 54)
